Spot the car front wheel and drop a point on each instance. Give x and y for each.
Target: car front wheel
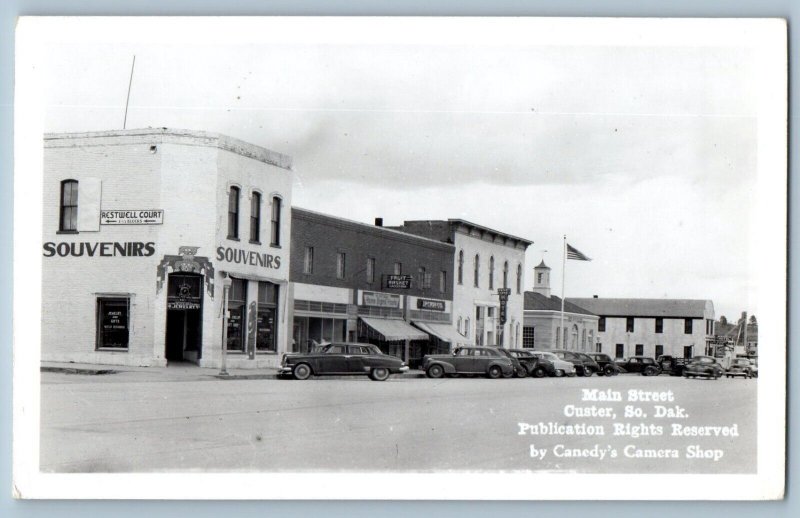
(301, 371)
(495, 372)
(539, 372)
(435, 371)
(610, 371)
(587, 372)
(379, 374)
(559, 373)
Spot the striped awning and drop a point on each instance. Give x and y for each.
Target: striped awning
(392, 329)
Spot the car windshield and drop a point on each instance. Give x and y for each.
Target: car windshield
(547, 356)
(602, 357)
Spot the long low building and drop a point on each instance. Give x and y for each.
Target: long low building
(651, 327)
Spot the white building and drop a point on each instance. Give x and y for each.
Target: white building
(485, 260)
(651, 327)
(544, 326)
(140, 229)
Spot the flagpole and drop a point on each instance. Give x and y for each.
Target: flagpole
(563, 276)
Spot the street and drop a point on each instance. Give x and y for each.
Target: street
(134, 422)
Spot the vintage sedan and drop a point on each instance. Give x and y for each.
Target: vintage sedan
(469, 360)
(584, 365)
(703, 366)
(558, 367)
(740, 367)
(644, 365)
(521, 370)
(535, 365)
(607, 365)
(342, 359)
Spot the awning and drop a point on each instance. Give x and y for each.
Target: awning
(392, 330)
(444, 332)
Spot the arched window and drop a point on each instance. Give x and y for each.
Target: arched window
(461, 267)
(491, 273)
(255, 217)
(476, 272)
(519, 278)
(233, 213)
(68, 213)
(505, 275)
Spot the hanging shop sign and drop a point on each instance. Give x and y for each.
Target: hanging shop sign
(397, 282)
(381, 300)
(503, 294)
(132, 217)
(430, 304)
(239, 256)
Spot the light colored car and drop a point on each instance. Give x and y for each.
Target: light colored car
(562, 367)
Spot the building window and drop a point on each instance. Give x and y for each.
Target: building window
(629, 324)
(308, 262)
(467, 327)
(519, 278)
(233, 213)
(340, 265)
(236, 310)
(505, 275)
(619, 352)
(528, 337)
(276, 221)
(476, 272)
(598, 348)
(659, 325)
(113, 322)
(443, 282)
(370, 269)
(68, 213)
(459, 328)
(398, 268)
(639, 349)
(687, 326)
(461, 267)
(539, 277)
(601, 325)
(424, 278)
(659, 350)
(255, 218)
(266, 318)
(491, 273)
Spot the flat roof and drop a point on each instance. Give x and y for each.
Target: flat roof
(172, 135)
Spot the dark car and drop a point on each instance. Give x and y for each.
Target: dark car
(584, 365)
(740, 367)
(469, 360)
(607, 365)
(342, 359)
(536, 366)
(672, 365)
(644, 365)
(703, 366)
(520, 368)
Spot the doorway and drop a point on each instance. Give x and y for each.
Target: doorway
(184, 318)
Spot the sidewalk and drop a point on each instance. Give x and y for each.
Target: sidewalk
(182, 371)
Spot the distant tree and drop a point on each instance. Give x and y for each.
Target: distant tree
(753, 321)
(723, 321)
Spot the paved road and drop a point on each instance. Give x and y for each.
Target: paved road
(129, 422)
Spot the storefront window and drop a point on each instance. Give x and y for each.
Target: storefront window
(113, 323)
(236, 319)
(266, 321)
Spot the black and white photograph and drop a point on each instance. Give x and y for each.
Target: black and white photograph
(400, 258)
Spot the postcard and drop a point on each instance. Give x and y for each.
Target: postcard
(400, 258)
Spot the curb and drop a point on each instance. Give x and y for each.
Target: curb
(76, 370)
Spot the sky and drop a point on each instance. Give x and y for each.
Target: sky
(644, 156)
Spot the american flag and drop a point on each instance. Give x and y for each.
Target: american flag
(574, 253)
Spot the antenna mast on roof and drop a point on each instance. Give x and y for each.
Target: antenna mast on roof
(127, 100)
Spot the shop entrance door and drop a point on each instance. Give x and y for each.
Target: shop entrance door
(184, 318)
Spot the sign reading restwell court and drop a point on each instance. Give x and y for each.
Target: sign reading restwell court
(131, 217)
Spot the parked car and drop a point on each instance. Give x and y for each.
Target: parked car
(705, 366)
(740, 367)
(672, 365)
(559, 367)
(469, 360)
(644, 365)
(520, 369)
(342, 359)
(606, 364)
(584, 365)
(535, 365)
